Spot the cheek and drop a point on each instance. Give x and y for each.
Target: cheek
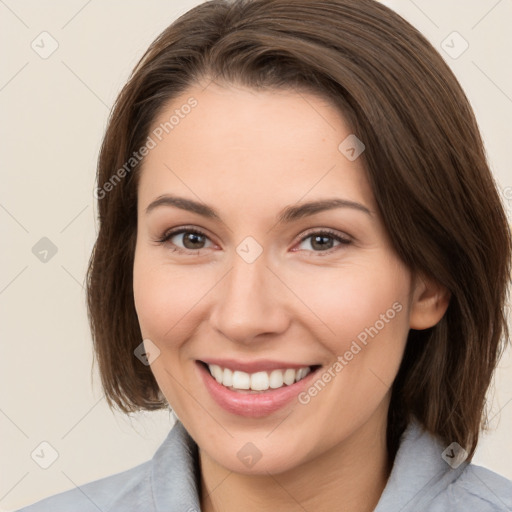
(164, 298)
(163, 295)
(153, 300)
(366, 311)
(351, 299)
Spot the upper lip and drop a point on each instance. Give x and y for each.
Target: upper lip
(254, 366)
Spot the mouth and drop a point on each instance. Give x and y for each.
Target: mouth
(260, 381)
(254, 390)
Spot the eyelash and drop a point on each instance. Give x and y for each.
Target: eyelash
(164, 239)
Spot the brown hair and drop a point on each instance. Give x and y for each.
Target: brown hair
(425, 162)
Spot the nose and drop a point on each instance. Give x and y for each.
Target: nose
(251, 303)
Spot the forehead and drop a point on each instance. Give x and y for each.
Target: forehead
(268, 146)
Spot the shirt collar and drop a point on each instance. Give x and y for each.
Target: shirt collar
(419, 472)
(175, 473)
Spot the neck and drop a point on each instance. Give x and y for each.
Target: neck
(352, 474)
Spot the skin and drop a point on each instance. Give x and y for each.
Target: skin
(249, 154)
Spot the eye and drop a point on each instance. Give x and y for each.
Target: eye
(324, 241)
(191, 240)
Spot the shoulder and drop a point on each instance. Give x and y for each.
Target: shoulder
(129, 489)
(169, 481)
(481, 489)
(426, 476)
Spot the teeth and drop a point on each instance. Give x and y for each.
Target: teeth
(289, 377)
(217, 373)
(259, 381)
(301, 374)
(276, 379)
(227, 377)
(241, 380)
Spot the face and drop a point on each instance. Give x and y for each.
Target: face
(273, 320)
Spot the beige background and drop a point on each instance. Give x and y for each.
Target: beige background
(54, 111)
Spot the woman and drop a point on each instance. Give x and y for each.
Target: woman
(303, 253)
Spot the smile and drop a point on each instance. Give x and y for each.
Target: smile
(259, 381)
(255, 389)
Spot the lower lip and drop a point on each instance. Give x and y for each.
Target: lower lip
(252, 405)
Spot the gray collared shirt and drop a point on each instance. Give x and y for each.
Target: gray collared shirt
(420, 481)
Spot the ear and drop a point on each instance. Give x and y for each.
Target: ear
(430, 300)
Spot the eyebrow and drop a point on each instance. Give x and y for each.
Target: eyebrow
(287, 215)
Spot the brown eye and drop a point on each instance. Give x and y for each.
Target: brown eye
(324, 241)
(192, 240)
(185, 239)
